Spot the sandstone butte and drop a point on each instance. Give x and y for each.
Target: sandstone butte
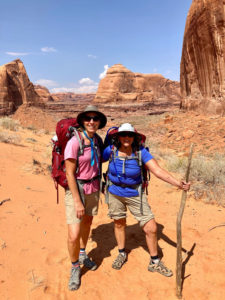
(16, 88)
(120, 84)
(202, 70)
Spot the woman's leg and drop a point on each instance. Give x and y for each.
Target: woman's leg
(73, 241)
(155, 265)
(150, 229)
(119, 229)
(85, 230)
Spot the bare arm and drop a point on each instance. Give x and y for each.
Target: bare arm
(162, 174)
(71, 166)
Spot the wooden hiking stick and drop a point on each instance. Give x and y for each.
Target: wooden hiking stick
(179, 238)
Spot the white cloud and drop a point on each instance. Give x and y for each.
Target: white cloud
(86, 81)
(92, 56)
(46, 82)
(103, 74)
(155, 70)
(48, 49)
(77, 90)
(168, 72)
(17, 53)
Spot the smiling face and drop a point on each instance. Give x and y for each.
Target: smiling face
(126, 139)
(91, 123)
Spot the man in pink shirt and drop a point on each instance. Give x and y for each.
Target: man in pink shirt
(83, 170)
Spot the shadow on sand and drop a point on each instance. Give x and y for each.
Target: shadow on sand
(103, 235)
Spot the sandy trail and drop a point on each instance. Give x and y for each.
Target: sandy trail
(34, 263)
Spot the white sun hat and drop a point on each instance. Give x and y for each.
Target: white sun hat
(126, 127)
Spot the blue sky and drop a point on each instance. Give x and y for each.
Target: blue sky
(66, 45)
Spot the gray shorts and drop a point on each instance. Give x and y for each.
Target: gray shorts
(118, 207)
(91, 206)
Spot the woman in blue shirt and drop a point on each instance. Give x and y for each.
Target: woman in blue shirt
(125, 190)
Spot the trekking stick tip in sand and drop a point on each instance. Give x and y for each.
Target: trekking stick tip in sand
(179, 237)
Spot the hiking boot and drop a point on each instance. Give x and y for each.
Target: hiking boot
(74, 282)
(87, 262)
(119, 261)
(159, 267)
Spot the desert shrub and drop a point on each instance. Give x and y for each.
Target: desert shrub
(207, 175)
(32, 128)
(8, 123)
(10, 138)
(31, 140)
(209, 170)
(175, 163)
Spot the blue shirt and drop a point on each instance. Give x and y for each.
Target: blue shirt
(132, 174)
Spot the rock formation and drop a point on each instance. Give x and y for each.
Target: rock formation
(16, 88)
(202, 74)
(43, 93)
(120, 84)
(72, 97)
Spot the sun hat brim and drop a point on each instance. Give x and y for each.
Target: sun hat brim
(137, 134)
(92, 108)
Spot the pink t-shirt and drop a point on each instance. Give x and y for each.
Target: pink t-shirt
(85, 170)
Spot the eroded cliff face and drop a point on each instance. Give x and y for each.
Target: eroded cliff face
(120, 84)
(202, 74)
(16, 88)
(43, 93)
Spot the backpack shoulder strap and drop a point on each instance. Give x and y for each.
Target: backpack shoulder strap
(113, 151)
(99, 143)
(139, 155)
(80, 140)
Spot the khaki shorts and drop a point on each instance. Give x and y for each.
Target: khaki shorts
(118, 207)
(91, 206)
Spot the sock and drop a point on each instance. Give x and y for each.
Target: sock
(155, 259)
(122, 251)
(75, 264)
(82, 251)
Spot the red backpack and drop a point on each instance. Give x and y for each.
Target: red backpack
(65, 130)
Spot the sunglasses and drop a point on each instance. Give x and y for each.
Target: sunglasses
(89, 118)
(128, 134)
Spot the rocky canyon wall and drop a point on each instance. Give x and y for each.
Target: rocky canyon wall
(16, 88)
(120, 84)
(202, 73)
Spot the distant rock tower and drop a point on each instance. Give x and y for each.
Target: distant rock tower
(202, 72)
(16, 88)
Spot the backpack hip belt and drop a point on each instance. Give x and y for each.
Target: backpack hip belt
(83, 181)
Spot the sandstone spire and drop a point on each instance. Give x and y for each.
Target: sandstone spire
(16, 88)
(202, 74)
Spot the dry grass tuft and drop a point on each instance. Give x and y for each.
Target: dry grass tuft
(6, 137)
(8, 123)
(207, 175)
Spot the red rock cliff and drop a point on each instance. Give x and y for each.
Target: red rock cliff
(16, 88)
(120, 84)
(202, 74)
